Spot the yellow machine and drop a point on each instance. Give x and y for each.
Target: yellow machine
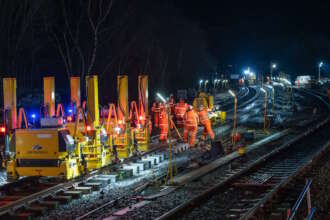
(204, 100)
(48, 151)
(97, 152)
(43, 152)
(142, 131)
(123, 140)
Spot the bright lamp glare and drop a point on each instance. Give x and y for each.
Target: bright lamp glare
(247, 71)
(231, 93)
(274, 66)
(33, 116)
(263, 90)
(161, 97)
(321, 64)
(200, 81)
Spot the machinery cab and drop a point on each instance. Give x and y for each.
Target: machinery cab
(47, 151)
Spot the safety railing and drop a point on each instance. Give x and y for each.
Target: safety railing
(306, 191)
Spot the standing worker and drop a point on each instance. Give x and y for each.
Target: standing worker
(171, 103)
(163, 125)
(205, 121)
(190, 126)
(180, 110)
(155, 109)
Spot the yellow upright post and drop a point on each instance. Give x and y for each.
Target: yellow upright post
(49, 95)
(93, 116)
(123, 141)
(122, 89)
(9, 100)
(144, 108)
(143, 93)
(75, 90)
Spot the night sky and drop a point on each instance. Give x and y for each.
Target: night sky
(175, 42)
(295, 34)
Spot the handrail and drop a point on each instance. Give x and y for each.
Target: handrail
(21, 113)
(133, 109)
(300, 198)
(59, 110)
(112, 109)
(79, 111)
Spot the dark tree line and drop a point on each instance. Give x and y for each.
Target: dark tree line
(107, 37)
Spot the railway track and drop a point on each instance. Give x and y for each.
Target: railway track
(222, 174)
(317, 172)
(239, 195)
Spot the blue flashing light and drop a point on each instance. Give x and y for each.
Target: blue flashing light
(33, 116)
(70, 110)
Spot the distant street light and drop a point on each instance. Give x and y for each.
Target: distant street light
(247, 71)
(200, 84)
(272, 67)
(235, 111)
(266, 102)
(205, 85)
(320, 65)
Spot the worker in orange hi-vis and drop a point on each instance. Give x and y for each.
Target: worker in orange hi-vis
(163, 125)
(155, 109)
(150, 126)
(205, 121)
(171, 103)
(180, 110)
(190, 126)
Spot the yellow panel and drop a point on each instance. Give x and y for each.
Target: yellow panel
(37, 144)
(123, 141)
(122, 89)
(92, 100)
(210, 101)
(9, 96)
(49, 94)
(143, 136)
(143, 93)
(75, 89)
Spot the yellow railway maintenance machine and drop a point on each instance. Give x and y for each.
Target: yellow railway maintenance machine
(46, 151)
(123, 140)
(97, 152)
(142, 131)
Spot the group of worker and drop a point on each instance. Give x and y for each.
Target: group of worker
(186, 117)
